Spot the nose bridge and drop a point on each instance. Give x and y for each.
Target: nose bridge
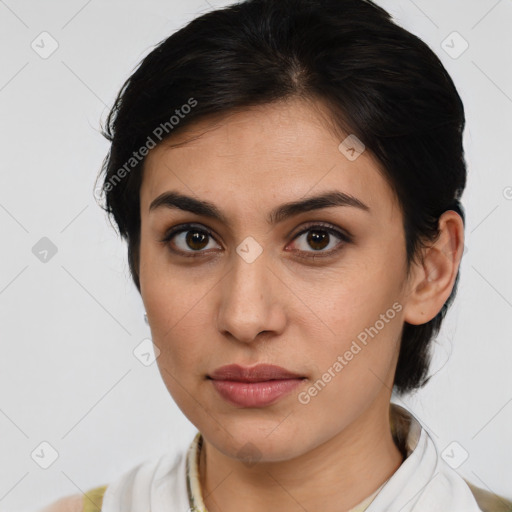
(248, 305)
(247, 287)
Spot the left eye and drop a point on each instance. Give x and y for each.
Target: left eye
(319, 238)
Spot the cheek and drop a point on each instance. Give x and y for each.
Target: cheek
(180, 322)
(177, 328)
(345, 302)
(360, 319)
(353, 365)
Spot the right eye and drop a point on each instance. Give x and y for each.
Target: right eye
(188, 240)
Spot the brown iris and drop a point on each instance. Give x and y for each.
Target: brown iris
(318, 237)
(197, 240)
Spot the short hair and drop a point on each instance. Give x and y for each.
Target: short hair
(380, 83)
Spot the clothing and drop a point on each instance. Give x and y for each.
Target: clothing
(422, 483)
(194, 487)
(93, 498)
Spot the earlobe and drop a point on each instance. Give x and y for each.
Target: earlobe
(434, 278)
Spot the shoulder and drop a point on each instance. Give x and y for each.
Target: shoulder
(488, 501)
(160, 479)
(72, 503)
(91, 501)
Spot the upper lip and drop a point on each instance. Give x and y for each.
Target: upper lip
(258, 373)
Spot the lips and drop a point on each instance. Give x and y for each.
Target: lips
(259, 373)
(256, 386)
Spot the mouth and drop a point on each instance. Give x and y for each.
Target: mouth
(256, 386)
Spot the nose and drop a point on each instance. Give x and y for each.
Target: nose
(250, 301)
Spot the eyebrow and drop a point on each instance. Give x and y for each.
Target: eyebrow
(175, 200)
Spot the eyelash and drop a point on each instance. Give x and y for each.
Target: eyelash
(319, 226)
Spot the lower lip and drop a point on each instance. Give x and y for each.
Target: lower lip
(254, 394)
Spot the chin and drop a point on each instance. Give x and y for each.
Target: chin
(254, 442)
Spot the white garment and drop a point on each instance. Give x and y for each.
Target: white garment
(422, 483)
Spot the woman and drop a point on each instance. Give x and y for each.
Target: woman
(288, 176)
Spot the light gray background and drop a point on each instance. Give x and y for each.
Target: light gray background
(68, 375)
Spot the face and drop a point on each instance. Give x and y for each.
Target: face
(317, 290)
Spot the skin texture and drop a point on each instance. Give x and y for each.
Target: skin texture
(216, 308)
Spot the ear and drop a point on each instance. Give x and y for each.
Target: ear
(433, 279)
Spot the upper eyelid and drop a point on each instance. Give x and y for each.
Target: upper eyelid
(322, 224)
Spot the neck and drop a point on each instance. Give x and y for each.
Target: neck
(334, 477)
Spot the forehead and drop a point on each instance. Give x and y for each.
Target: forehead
(264, 154)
